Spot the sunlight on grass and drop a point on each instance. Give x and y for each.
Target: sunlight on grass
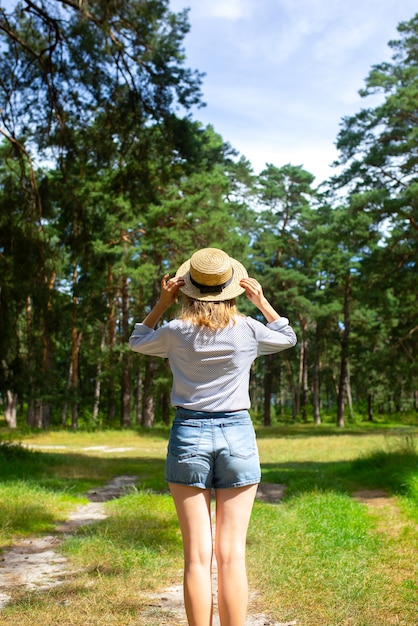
(294, 447)
(120, 560)
(116, 443)
(26, 508)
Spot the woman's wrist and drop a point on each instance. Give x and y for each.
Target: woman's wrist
(154, 315)
(267, 310)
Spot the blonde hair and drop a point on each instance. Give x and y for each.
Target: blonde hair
(213, 315)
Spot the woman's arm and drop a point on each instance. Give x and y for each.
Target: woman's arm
(169, 291)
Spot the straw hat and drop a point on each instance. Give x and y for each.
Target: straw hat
(211, 275)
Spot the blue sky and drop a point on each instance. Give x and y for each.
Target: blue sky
(281, 74)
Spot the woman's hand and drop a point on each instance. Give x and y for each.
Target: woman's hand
(253, 290)
(169, 289)
(255, 294)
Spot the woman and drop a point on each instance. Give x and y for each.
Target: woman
(210, 348)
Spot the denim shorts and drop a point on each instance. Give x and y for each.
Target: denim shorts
(216, 450)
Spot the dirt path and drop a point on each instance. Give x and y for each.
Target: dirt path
(384, 508)
(35, 564)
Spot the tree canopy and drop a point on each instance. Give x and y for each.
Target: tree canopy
(104, 187)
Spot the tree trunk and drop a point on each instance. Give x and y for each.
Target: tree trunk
(47, 351)
(30, 414)
(148, 414)
(343, 380)
(370, 407)
(349, 395)
(305, 385)
(68, 391)
(126, 391)
(10, 409)
(268, 386)
(166, 408)
(390, 404)
(98, 381)
(316, 381)
(34, 416)
(292, 391)
(297, 399)
(281, 392)
(46, 415)
(75, 345)
(73, 381)
(126, 378)
(139, 395)
(112, 294)
(302, 386)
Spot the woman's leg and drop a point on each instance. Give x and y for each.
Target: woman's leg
(233, 511)
(193, 511)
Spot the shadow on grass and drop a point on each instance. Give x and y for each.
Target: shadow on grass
(77, 473)
(395, 472)
(31, 480)
(159, 431)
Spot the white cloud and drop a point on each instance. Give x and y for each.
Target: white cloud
(221, 9)
(315, 156)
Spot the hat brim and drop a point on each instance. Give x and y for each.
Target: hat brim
(232, 290)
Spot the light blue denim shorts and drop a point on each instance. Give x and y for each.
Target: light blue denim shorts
(216, 450)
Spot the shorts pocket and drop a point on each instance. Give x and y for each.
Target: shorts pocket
(240, 439)
(184, 439)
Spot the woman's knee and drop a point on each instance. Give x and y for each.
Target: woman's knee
(230, 550)
(198, 554)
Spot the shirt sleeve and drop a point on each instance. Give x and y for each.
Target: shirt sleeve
(146, 340)
(274, 337)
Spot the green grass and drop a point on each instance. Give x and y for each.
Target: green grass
(319, 557)
(314, 555)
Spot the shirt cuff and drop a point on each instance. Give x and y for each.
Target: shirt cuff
(142, 329)
(278, 324)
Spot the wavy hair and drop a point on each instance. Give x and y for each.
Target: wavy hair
(213, 315)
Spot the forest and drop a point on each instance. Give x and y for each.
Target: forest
(108, 181)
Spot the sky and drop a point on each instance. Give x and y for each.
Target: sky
(281, 74)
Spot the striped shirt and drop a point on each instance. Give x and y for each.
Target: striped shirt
(211, 369)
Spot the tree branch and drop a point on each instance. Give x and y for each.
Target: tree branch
(22, 151)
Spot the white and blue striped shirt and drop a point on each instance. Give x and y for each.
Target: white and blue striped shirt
(211, 369)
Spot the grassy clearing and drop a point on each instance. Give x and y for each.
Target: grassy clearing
(319, 557)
